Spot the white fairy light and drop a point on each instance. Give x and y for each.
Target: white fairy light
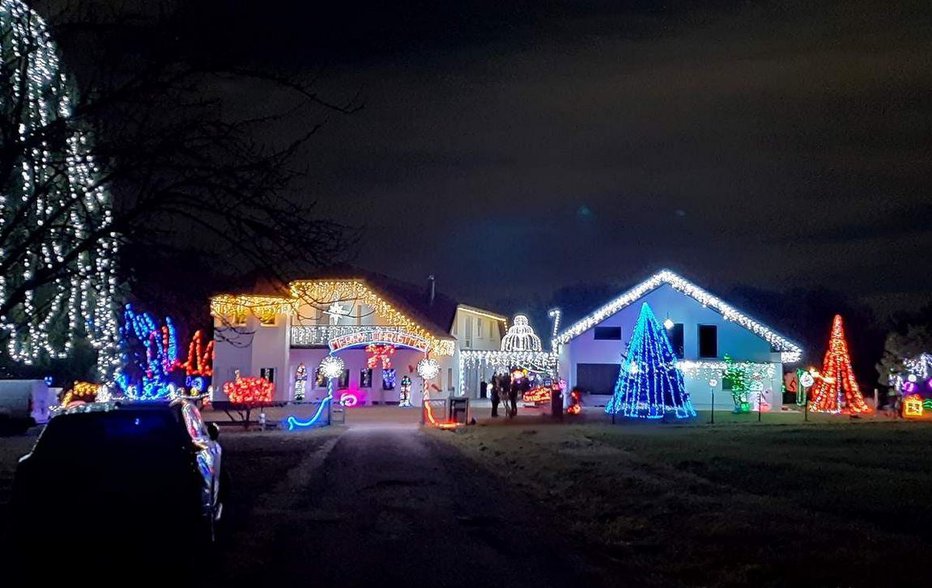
(789, 352)
(521, 337)
(65, 208)
(428, 368)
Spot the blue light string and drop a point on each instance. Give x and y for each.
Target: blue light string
(293, 422)
(650, 383)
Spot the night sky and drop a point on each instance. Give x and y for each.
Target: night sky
(511, 148)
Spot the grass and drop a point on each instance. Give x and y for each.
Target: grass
(826, 503)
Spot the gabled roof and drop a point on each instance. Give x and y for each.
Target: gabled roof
(790, 351)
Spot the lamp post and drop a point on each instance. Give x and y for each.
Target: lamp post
(713, 383)
(806, 380)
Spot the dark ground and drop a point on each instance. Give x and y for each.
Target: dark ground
(374, 505)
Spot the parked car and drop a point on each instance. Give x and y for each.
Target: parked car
(134, 471)
(23, 403)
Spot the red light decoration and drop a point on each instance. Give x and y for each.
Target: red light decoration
(249, 390)
(836, 391)
(538, 394)
(380, 353)
(200, 360)
(575, 406)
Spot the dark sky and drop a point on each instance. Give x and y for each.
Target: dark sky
(511, 148)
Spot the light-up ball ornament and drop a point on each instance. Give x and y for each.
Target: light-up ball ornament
(713, 383)
(331, 366)
(668, 324)
(633, 368)
(806, 379)
(912, 378)
(428, 368)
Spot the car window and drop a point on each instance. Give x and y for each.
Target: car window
(110, 432)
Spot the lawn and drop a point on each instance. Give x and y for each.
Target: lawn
(829, 503)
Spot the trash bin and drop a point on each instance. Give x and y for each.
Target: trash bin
(556, 403)
(459, 410)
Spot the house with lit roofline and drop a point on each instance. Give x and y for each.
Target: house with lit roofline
(378, 326)
(702, 330)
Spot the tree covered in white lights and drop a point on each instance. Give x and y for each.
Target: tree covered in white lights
(57, 245)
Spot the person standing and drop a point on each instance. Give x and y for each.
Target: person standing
(513, 397)
(496, 395)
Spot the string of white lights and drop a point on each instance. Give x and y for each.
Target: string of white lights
(790, 352)
(56, 195)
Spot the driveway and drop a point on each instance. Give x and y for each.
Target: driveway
(391, 506)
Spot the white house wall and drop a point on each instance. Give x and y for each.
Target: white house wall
(666, 302)
(404, 362)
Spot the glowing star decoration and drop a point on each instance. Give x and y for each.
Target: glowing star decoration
(652, 385)
(380, 354)
(521, 337)
(836, 391)
(336, 312)
(57, 245)
(789, 351)
(331, 367)
(428, 368)
(668, 324)
(249, 390)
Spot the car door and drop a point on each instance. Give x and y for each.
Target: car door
(208, 452)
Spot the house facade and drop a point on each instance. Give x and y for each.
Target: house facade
(702, 330)
(379, 327)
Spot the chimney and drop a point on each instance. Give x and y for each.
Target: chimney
(431, 289)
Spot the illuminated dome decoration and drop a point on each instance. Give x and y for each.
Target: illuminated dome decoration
(53, 208)
(521, 337)
(331, 366)
(428, 368)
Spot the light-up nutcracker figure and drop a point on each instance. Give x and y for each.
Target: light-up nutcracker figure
(300, 382)
(405, 399)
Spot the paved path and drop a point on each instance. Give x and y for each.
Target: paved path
(392, 506)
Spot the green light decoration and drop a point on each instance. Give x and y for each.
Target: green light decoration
(736, 379)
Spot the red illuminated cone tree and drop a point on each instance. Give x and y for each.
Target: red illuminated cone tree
(835, 389)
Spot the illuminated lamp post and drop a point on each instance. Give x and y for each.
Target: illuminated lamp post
(427, 369)
(331, 367)
(805, 382)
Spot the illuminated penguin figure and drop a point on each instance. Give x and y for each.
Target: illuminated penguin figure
(405, 397)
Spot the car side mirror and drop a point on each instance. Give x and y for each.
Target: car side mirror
(213, 431)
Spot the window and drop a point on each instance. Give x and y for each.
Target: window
(597, 378)
(708, 341)
(468, 333)
(675, 334)
(365, 378)
(343, 382)
(449, 379)
(607, 333)
(320, 379)
(268, 374)
(388, 379)
(480, 327)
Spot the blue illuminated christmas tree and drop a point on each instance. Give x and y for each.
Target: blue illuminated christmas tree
(650, 384)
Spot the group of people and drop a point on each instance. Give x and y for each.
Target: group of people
(506, 389)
